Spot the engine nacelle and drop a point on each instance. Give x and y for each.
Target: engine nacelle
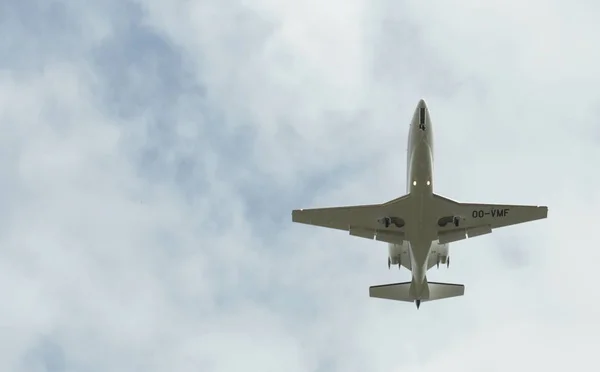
(395, 252)
(398, 254)
(439, 254)
(438, 249)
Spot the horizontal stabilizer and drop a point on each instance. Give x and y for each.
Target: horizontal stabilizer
(438, 291)
(403, 292)
(396, 291)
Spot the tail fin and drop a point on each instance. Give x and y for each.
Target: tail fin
(404, 291)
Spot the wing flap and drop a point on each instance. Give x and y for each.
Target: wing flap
(479, 230)
(395, 237)
(451, 236)
(362, 233)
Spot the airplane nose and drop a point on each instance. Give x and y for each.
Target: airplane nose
(419, 117)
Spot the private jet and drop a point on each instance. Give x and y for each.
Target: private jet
(419, 225)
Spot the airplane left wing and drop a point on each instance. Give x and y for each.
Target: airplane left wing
(462, 220)
(383, 222)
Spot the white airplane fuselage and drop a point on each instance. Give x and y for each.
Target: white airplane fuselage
(419, 225)
(420, 251)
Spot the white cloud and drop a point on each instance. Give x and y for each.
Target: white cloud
(152, 153)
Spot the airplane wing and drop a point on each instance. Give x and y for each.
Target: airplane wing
(383, 222)
(462, 220)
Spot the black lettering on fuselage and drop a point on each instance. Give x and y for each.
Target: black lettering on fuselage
(495, 212)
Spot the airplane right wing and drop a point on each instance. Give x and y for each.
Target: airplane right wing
(462, 220)
(383, 222)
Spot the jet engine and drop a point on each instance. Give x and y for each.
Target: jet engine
(439, 254)
(396, 252)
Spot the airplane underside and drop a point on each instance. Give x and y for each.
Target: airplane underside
(419, 225)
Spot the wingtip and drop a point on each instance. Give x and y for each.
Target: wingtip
(295, 213)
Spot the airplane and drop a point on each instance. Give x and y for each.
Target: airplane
(419, 225)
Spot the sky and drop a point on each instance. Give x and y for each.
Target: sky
(151, 152)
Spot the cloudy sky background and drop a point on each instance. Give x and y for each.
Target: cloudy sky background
(151, 152)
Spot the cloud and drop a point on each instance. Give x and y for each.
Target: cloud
(152, 152)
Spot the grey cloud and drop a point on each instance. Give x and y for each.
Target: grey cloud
(150, 162)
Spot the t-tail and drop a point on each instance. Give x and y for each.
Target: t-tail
(406, 291)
